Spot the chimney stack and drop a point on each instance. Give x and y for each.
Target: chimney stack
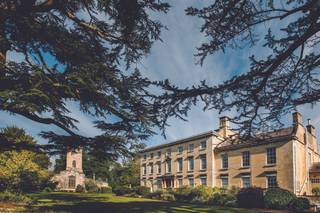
(311, 129)
(224, 126)
(224, 122)
(297, 118)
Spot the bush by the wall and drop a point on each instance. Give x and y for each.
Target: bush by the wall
(221, 199)
(299, 204)
(105, 189)
(80, 189)
(7, 196)
(91, 186)
(142, 190)
(278, 198)
(316, 191)
(183, 194)
(165, 195)
(251, 197)
(121, 190)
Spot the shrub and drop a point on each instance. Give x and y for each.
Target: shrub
(183, 194)
(251, 197)
(91, 186)
(47, 189)
(7, 196)
(105, 190)
(167, 196)
(80, 189)
(155, 195)
(201, 194)
(278, 198)
(299, 204)
(142, 190)
(221, 199)
(316, 191)
(121, 190)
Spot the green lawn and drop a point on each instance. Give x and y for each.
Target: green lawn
(92, 203)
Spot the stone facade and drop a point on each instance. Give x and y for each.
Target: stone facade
(73, 176)
(218, 158)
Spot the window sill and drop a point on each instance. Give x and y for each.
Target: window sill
(203, 170)
(223, 169)
(270, 165)
(245, 167)
(190, 171)
(202, 149)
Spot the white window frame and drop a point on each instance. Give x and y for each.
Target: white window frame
(189, 147)
(203, 157)
(159, 167)
(178, 162)
(242, 159)
(191, 178)
(246, 176)
(189, 164)
(267, 181)
(180, 151)
(275, 152)
(225, 178)
(205, 144)
(151, 168)
(222, 161)
(144, 169)
(203, 178)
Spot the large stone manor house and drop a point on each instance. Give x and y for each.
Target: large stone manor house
(287, 158)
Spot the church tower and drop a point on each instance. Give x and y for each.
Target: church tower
(74, 160)
(73, 175)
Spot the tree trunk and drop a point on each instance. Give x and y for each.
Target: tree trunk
(4, 45)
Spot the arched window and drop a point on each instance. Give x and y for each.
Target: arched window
(72, 182)
(74, 164)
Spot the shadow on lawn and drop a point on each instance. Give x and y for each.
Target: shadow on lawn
(94, 204)
(129, 207)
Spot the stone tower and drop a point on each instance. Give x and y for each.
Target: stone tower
(74, 160)
(73, 175)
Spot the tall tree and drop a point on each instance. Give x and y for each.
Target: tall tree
(78, 51)
(22, 170)
(287, 77)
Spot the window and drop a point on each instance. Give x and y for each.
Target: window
(180, 164)
(159, 167)
(272, 181)
(191, 147)
(168, 152)
(74, 164)
(203, 180)
(144, 183)
(168, 166)
(159, 154)
(144, 157)
(151, 185)
(144, 169)
(180, 182)
(180, 150)
(151, 155)
(271, 155)
(203, 144)
(151, 168)
(224, 158)
(224, 181)
(203, 162)
(72, 182)
(245, 159)
(246, 182)
(159, 184)
(190, 164)
(191, 181)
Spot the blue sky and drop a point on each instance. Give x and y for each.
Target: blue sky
(174, 59)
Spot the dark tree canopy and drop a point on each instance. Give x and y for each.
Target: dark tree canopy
(276, 84)
(76, 51)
